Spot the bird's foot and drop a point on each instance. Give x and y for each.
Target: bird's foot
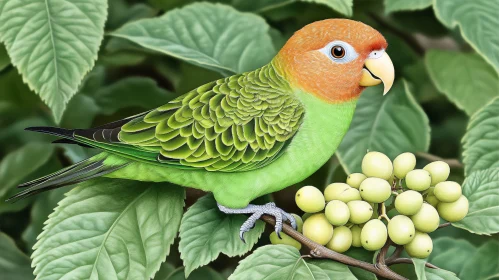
(256, 212)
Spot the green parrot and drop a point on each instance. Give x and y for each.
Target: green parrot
(246, 135)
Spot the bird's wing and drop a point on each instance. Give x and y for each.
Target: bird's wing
(237, 123)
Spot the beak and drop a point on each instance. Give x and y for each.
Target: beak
(377, 70)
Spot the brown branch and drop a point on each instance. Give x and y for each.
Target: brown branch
(444, 225)
(319, 251)
(453, 163)
(408, 261)
(396, 253)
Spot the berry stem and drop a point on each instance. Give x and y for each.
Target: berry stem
(383, 213)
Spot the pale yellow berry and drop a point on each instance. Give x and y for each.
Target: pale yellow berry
(401, 230)
(349, 194)
(403, 163)
(418, 180)
(454, 211)
(310, 199)
(333, 190)
(285, 239)
(341, 240)
(375, 190)
(318, 229)
(427, 218)
(376, 164)
(337, 212)
(356, 230)
(447, 191)
(420, 247)
(409, 202)
(432, 200)
(373, 235)
(360, 211)
(439, 171)
(354, 179)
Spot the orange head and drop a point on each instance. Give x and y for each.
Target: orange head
(335, 59)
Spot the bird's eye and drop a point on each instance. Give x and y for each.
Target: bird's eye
(338, 52)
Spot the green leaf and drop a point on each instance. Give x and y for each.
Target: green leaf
(478, 22)
(120, 12)
(419, 267)
(164, 271)
(213, 36)
(276, 262)
(258, 6)
(110, 228)
(451, 254)
(206, 232)
(334, 270)
(417, 75)
(404, 5)
(18, 164)
(391, 124)
(342, 6)
(14, 264)
(53, 43)
(484, 263)
(4, 57)
(482, 190)
(203, 273)
(131, 92)
(481, 141)
(469, 90)
(81, 111)
(44, 204)
(440, 274)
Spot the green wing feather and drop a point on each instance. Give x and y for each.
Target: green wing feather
(237, 123)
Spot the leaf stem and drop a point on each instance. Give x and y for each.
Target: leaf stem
(319, 251)
(444, 225)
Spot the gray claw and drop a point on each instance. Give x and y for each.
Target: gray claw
(257, 211)
(241, 235)
(291, 219)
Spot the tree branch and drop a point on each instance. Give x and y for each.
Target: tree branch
(453, 163)
(319, 251)
(396, 253)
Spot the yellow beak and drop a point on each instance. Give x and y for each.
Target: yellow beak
(377, 70)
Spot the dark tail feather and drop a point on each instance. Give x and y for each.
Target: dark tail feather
(66, 134)
(79, 172)
(57, 131)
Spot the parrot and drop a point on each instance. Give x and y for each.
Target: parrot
(246, 135)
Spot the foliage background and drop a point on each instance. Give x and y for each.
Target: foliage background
(446, 58)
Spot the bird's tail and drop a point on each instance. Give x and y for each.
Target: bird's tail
(76, 173)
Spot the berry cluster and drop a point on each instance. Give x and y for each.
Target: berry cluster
(353, 213)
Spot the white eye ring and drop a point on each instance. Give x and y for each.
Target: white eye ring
(376, 54)
(350, 53)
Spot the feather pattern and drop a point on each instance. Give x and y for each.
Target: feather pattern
(237, 123)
